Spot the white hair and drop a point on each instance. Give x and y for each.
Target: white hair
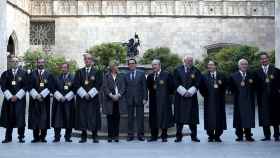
(186, 57)
(242, 61)
(156, 61)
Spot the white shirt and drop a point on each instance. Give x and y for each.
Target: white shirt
(213, 73)
(243, 73)
(265, 68)
(157, 74)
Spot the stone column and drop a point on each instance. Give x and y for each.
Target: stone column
(3, 40)
(277, 32)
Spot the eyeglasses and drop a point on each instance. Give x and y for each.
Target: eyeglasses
(130, 63)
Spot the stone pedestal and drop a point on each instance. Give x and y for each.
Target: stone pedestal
(3, 46)
(277, 32)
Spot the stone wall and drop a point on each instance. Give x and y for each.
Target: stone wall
(277, 35)
(182, 35)
(18, 23)
(3, 47)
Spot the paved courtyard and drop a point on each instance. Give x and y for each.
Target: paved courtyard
(227, 149)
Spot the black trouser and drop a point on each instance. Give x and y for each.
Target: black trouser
(241, 131)
(180, 126)
(155, 131)
(39, 134)
(84, 134)
(139, 120)
(214, 133)
(267, 132)
(57, 131)
(9, 133)
(113, 121)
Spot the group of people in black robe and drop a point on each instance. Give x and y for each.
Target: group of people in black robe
(76, 101)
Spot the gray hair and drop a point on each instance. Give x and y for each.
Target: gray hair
(242, 61)
(156, 61)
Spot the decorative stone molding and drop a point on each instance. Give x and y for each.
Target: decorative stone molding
(152, 8)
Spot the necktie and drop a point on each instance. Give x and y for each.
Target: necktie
(213, 76)
(243, 75)
(132, 75)
(156, 76)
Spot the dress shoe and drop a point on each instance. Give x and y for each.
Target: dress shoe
(141, 139)
(239, 139)
(95, 140)
(164, 140)
(82, 141)
(195, 139)
(266, 139)
(21, 141)
(129, 139)
(6, 141)
(35, 141)
(177, 140)
(43, 140)
(68, 140)
(250, 139)
(218, 139)
(152, 139)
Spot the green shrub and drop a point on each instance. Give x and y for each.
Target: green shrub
(169, 61)
(52, 64)
(106, 52)
(227, 58)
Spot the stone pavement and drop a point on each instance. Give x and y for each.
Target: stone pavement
(227, 149)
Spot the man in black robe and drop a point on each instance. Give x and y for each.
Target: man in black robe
(242, 85)
(213, 89)
(41, 84)
(87, 83)
(160, 86)
(14, 85)
(63, 105)
(268, 81)
(187, 79)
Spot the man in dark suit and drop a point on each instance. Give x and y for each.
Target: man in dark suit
(41, 86)
(268, 81)
(114, 101)
(242, 85)
(187, 79)
(63, 104)
(14, 85)
(161, 87)
(136, 95)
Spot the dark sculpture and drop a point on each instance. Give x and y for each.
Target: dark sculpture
(132, 46)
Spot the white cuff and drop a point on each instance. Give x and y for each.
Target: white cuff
(8, 95)
(34, 93)
(45, 92)
(93, 92)
(20, 94)
(57, 95)
(69, 96)
(181, 90)
(192, 90)
(81, 92)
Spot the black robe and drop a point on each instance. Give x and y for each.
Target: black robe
(39, 112)
(63, 112)
(268, 96)
(213, 91)
(13, 113)
(244, 100)
(87, 114)
(186, 109)
(160, 100)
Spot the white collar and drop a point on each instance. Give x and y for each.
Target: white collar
(245, 73)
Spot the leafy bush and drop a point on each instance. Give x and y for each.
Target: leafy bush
(227, 58)
(52, 64)
(106, 52)
(169, 61)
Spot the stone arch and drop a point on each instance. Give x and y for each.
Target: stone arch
(12, 46)
(216, 47)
